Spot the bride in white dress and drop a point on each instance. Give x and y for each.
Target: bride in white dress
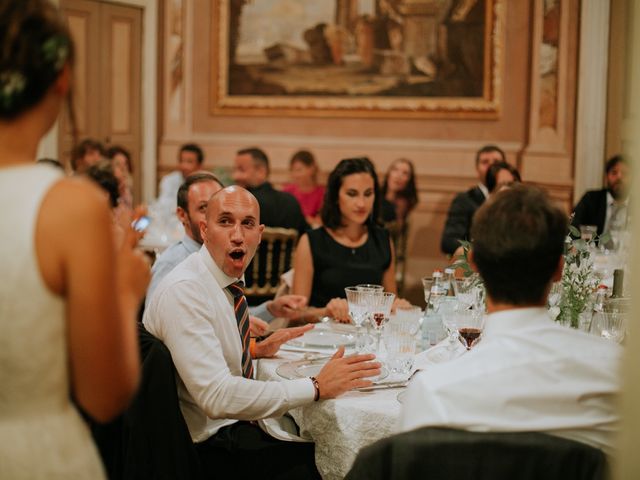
(67, 298)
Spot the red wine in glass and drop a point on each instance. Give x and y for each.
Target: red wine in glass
(378, 318)
(470, 335)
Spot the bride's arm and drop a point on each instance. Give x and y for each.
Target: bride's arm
(102, 288)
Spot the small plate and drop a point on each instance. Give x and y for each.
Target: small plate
(311, 368)
(323, 339)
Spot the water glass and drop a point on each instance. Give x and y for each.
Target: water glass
(433, 293)
(469, 291)
(379, 309)
(588, 232)
(358, 308)
(400, 338)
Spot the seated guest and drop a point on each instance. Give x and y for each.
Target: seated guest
(350, 248)
(500, 175)
(527, 373)
(606, 208)
(277, 209)
(193, 197)
(199, 311)
(88, 152)
(121, 161)
(465, 204)
(399, 193)
(304, 186)
(190, 160)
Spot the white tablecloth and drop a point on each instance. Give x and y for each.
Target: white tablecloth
(342, 426)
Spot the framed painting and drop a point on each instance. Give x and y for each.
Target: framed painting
(357, 58)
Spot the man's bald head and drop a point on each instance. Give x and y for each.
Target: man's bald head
(233, 193)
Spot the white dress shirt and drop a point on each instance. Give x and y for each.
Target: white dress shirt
(174, 255)
(622, 207)
(194, 317)
(483, 188)
(168, 188)
(526, 374)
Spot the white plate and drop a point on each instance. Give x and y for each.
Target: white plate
(311, 368)
(317, 338)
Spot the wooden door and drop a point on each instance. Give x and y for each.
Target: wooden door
(107, 77)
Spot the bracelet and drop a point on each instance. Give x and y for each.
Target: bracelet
(316, 385)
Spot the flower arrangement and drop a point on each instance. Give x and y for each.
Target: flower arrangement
(579, 280)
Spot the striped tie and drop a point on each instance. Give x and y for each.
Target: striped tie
(242, 317)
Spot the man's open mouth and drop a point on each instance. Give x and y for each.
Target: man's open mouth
(236, 254)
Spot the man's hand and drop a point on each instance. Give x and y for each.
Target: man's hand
(342, 374)
(338, 309)
(257, 327)
(270, 345)
(287, 306)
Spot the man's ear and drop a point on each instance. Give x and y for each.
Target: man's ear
(62, 84)
(472, 261)
(557, 273)
(260, 230)
(182, 216)
(203, 230)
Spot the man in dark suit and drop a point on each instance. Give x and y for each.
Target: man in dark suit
(465, 204)
(277, 209)
(606, 208)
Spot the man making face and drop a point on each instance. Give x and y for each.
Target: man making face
(193, 197)
(198, 311)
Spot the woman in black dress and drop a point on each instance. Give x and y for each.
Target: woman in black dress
(350, 248)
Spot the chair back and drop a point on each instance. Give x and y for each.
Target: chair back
(151, 439)
(273, 257)
(398, 232)
(447, 454)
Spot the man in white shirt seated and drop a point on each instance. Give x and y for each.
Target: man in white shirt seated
(192, 198)
(527, 373)
(199, 311)
(190, 160)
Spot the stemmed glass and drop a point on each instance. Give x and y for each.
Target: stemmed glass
(379, 309)
(358, 309)
(468, 291)
(470, 325)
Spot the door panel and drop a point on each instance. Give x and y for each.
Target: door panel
(107, 78)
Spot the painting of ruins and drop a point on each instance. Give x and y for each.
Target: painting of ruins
(357, 57)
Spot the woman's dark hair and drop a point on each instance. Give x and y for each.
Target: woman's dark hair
(492, 174)
(410, 192)
(102, 174)
(35, 44)
(307, 159)
(118, 150)
(330, 212)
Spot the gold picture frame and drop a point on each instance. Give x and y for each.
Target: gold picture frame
(402, 59)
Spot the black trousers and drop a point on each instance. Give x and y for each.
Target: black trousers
(242, 450)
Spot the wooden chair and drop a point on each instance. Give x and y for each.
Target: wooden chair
(398, 233)
(273, 257)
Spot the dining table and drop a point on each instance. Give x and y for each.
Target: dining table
(342, 426)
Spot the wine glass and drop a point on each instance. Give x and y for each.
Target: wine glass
(379, 309)
(470, 324)
(358, 308)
